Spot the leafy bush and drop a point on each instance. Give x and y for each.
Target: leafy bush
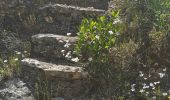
(124, 50)
(97, 36)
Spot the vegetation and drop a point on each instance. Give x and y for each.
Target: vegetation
(124, 50)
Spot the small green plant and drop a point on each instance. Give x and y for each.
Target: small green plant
(97, 36)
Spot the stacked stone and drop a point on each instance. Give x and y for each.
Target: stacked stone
(51, 69)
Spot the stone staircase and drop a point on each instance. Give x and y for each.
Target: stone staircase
(50, 71)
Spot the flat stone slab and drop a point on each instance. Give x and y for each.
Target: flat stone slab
(52, 46)
(55, 71)
(99, 4)
(62, 19)
(57, 80)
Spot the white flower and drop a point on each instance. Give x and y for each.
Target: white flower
(68, 34)
(90, 59)
(75, 59)
(151, 84)
(147, 93)
(16, 59)
(25, 51)
(153, 88)
(62, 51)
(164, 69)
(164, 94)
(141, 91)
(94, 27)
(110, 32)
(156, 82)
(68, 54)
(97, 37)
(161, 75)
(133, 87)
(141, 74)
(69, 57)
(67, 45)
(145, 86)
(145, 78)
(5, 61)
(18, 53)
(117, 20)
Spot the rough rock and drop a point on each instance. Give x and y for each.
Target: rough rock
(60, 80)
(9, 42)
(62, 19)
(15, 89)
(52, 46)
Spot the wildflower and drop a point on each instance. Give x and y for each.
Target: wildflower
(153, 88)
(75, 59)
(164, 94)
(67, 45)
(18, 53)
(68, 54)
(147, 93)
(90, 59)
(164, 69)
(141, 91)
(62, 51)
(110, 32)
(156, 82)
(141, 74)
(145, 86)
(149, 75)
(5, 61)
(161, 75)
(16, 59)
(25, 51)
(117, 20)
(151, 84)
(94, 27)
(97, 37)
(133, 87)
(68, 34)
(69, 57)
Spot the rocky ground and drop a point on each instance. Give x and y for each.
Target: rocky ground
(50, 69)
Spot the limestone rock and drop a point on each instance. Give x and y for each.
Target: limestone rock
(62, 19)
(52, 46)
(60, 80)
(15, 89)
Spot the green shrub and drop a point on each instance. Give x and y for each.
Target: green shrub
(129, 62)
(97, 36)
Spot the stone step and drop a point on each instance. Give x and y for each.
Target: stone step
(62, 19)
(99, 4)
(52, 46)
(60, 80)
